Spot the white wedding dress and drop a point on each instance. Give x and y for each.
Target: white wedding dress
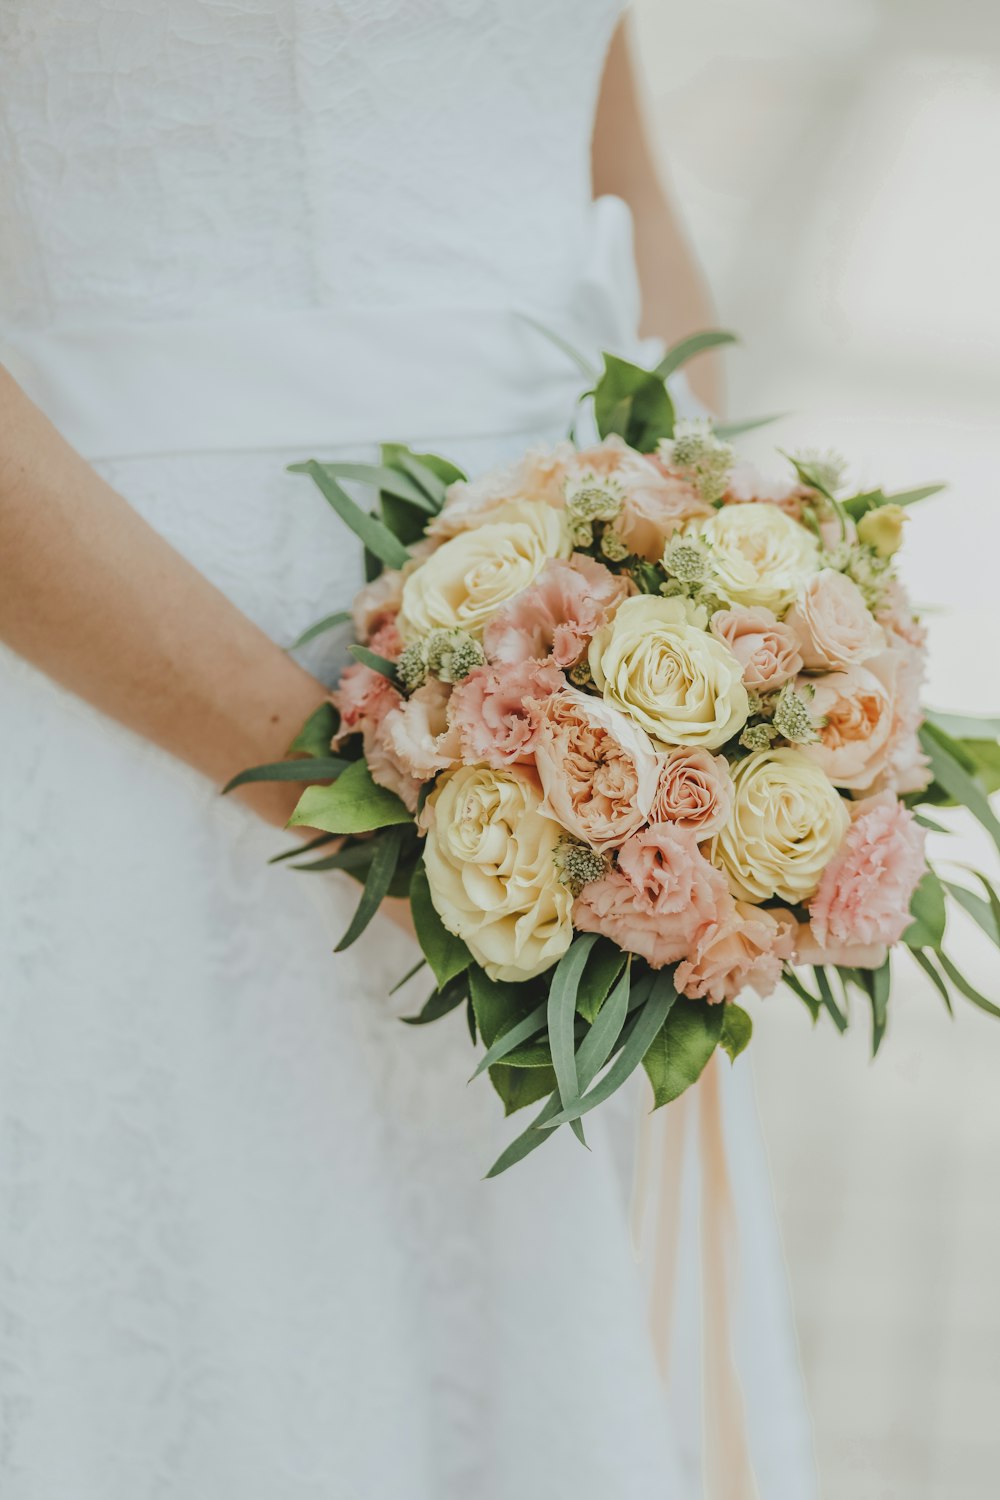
(245, 1245)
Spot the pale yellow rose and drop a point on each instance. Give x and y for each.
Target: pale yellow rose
(489, 856)
(786, 824)
(882, 528)
(760, 555)
(463, 584)
(682, 685)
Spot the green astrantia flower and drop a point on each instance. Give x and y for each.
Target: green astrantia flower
(578, 864)
(700, 457)
(792, 718)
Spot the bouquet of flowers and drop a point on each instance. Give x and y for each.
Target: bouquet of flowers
(636, 730)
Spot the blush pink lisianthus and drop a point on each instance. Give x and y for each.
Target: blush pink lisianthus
(767, 649)
(695, 791)
(747, 949)
(865, 891)
(598, 770)
(660, 899)
(494, 710)
(557, 614)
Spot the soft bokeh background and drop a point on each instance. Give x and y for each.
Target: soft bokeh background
(837, 167)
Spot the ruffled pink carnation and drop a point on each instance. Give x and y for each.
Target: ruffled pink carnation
(413, 742)
(557, 614)
(864, 894)
(663, 896)
(747, 949)
(767, 650)
(495, 710)
(598, 770)
(695, 791)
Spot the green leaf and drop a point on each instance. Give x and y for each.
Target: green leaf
(827, 1000)
(948, 770)
(583, 364)
(964, 726)
(447, 954)
(857, 505)
(404, 521)
(441, 1002)
(353, 804)
(729, 430)
(519, 1087)
(316, 733)
(561, 1016)
(377, 538)
(985, 913)
(604, 964)
(634, 403)
(328, 622)
(385, 856)
(383, 477)
(678, 1054)
(737, 1029)
(300, 848)
(929, 823)
(421, 963)
(924, 960)
(686, 349)
(929, 914)
(641, 1033)
(878, 984)
(506, 1041)
(380, 664)
(291, 770)
(964, 987)
(794, 983)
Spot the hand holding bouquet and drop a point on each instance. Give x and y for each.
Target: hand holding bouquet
(637, 730)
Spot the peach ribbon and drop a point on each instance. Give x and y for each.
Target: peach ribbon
(728, 1473)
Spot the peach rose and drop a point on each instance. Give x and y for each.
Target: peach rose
(833, 624)
(655, 503)
(661, 898)
(865, 892)
(598, 770)
(858, 706)
(747, 949)
(767, 650)
(538, 476)
(494, 710)
(695, 791)
(556, 614)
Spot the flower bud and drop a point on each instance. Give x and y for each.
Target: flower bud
(882, 529)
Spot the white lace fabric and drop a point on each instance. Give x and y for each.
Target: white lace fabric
(245, 1245)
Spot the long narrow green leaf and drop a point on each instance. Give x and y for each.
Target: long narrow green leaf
(309, 770)
(880, 985)
(376, 537)
(965, 726)
(302, 848)
(728, 430)
(441, 1002)
(924, 960)
(424, 476)
(561, 1017)
(979, 910)
(794, 983)
(826, 997)
(930, 824)
(380, 664)
(421, 963)
(380, 873)
(587, 370)
(328, 622)
(686, 349)
(647, 1023)
(961, 984)
(956, 780)
(522, 1031)
(382, 477)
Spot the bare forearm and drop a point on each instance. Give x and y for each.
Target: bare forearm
(99, 601)
(675, 300)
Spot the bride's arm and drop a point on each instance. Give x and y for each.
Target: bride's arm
(674, 296)
(101, 603)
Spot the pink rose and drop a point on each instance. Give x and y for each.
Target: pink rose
(558, 613)
(659, 901)
(859, 709)
(865, 891)
(598, 770)
(695, 791)
(419, 733)
(833, 623)
(767, 650)
(377, 603)
(908, 769)
(538, 476)
(746, 949)
(494, 710)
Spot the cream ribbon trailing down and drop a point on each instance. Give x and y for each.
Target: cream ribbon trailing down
(656, 1213)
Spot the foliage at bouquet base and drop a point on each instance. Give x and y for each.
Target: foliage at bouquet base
(635, 730)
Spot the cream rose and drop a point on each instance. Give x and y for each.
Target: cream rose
(489, 856)
(759, 555)
(675, 680)
(463, 584)
(834, 625)
(786, 824)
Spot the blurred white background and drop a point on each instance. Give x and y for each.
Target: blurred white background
(836, 165)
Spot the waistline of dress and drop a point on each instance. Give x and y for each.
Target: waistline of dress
(323, 378)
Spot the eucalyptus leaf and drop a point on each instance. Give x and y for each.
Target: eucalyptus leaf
(316, 733)
(737, 1029)
(963, 986)
(298, 849)
(440, 1002)
(604, 964)
(506, 1041)
(378, 539)
(927, 907)
(352, 804)
(685, 349)
(678, 1054)
(519, 1087)
(965, 726)
(827, 999)
(925, 962)
(809, 1000)
(583, 364)
(421, 963)
(949, 771)
(561, 1016)
(380, 664)
(979, 910)
(328, 622)
(385, 856)
(291, 770)
(729, 430)
(383, 477)
(447, 954)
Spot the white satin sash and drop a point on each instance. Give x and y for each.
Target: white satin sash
(331, 377)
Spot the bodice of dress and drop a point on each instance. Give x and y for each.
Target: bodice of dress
(165, 159)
